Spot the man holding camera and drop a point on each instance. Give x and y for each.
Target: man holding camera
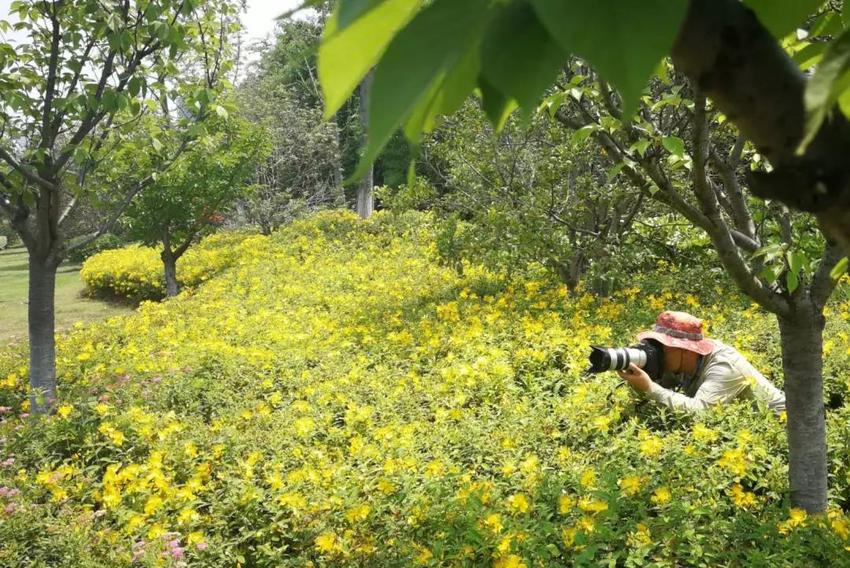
(706, 371)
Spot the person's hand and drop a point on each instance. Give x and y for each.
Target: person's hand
(636, 377)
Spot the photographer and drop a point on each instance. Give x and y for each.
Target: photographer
(706, 371)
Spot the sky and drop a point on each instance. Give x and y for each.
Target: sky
(258, 19)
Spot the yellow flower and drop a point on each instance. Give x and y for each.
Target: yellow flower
(195, 537)
(509, 561)
(357, 514)
(65, 410)
(152, 505)
(518, 503)
(742, 498)
(589, 505)
(424, 555)
(797, 516)
(156, 531)
(588, 478)
(640, 536)
(587, 524)
(704, 434)
(838, 522)
(304, 426)
(187, 515)
(565, 504)
(661, 496)
(631, 485)
(493, 522)
(326, 542)
(734, 460)
(568, 535)
(651, 446)
(133, 523)
(294, 501)
(190, 449)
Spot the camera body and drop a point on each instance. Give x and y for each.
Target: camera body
(648, 354)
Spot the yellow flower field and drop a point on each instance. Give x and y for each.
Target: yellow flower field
(336, 397)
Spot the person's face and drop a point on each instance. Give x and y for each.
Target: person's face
(672, 359)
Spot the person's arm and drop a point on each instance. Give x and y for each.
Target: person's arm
(721, 385)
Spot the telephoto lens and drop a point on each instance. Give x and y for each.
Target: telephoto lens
(648, 355)
(615, 358)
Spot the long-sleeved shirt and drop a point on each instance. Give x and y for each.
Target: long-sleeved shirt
(724, 375)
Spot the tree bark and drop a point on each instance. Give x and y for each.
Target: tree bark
(41, 315)
(801, 336)
(364, 192)
(169, 261)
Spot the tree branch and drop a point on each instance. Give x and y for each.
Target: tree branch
(822, 283)
(28, 173)
(717, 228)
(107, 225)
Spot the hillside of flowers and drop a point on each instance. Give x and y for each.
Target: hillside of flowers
(337, 397)
(136, 272)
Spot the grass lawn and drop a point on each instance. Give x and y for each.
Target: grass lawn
(71, 306)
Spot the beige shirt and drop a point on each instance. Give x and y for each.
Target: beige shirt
(723, 376)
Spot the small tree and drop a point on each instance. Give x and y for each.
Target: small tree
(187, 201)
(89, 72)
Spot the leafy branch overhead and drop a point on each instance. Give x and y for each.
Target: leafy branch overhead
(429, 56)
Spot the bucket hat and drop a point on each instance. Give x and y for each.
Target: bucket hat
(679, 329)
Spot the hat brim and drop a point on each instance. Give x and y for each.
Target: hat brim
(702, 347)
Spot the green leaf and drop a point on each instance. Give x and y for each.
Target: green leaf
(614, 171)
(791, 280)
(782, 17)
(674, 145)
(770, 274)
(519, 57)
(221, 111)
(434, 43)
(831, 79)
(795, 261)
(839, 269)
(496, 105)
(350, 10)
(347, 53)
(446, 95)
(583, 133)
(641, 146)
(134, 86)
(623, 39)
(809, 55)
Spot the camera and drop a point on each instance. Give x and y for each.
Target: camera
(648, 355)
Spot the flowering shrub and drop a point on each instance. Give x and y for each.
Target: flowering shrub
(136, 272)
(339, 399)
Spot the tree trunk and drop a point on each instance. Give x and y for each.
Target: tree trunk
(364, 192)
(41, 314)
(338, 199)
(802, 362)
(169, 261)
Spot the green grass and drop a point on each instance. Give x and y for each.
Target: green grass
(71, 306)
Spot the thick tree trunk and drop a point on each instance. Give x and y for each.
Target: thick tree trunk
(41, 313)
(364, 192)
(802, 361)
(169, 261)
